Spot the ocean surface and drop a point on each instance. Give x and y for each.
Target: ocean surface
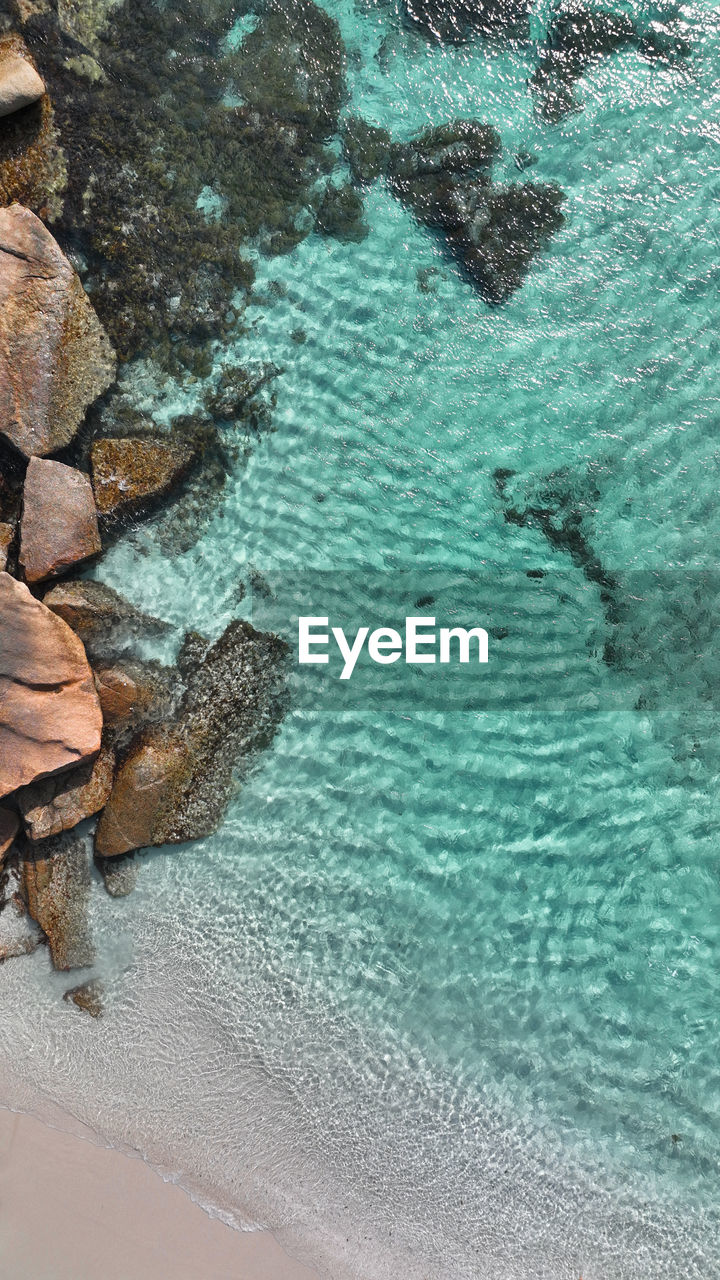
(436, 997)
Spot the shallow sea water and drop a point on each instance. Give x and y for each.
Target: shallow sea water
(437, 995)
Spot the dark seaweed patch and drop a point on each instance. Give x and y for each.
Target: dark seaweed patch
(579, 37)
(175, 111)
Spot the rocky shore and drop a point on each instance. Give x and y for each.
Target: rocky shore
(89, 731)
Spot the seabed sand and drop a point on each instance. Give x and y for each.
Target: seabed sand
(72, 1210)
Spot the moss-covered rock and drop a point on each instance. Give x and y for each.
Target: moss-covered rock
(132, 474)
(366, 148)
(341, 213)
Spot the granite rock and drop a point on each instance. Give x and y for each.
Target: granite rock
(20, 84)
(50, 717)
(176, 779)
(98, 615)
(58, 804)
(134, 473)
(59, 525)
(56, 888)
(132, 692)
(55, 357)
(88, 997)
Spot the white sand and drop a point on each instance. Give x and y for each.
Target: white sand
(71, 1210)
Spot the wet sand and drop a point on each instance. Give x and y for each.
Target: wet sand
(72, 1210)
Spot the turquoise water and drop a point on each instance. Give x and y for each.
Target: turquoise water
(437, 995)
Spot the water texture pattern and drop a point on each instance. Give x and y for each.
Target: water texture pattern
(439, 993)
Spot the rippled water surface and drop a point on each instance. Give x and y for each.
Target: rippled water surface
(437, 995)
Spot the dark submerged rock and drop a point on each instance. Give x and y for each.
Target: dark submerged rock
(562, 506)
(238, 395)
(341, 214)
(493, 232)
(459, 147)
(578, 38)
(103, 620)
(88, 997)
(119, 874)
(366, 148)
(455, 21)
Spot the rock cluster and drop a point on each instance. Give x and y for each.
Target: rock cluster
(175, 780)
(151, 750)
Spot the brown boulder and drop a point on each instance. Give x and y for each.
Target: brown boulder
(50, 716)
(176, 780)
(88, 997)
(9, 827)
(20, 83)
(118, 693)
(132, 691)
(19, 935)
(56, 888)
(55, 357)
(148, 786)
(59, 522)
(59, 803)
(130, 474)
(6, 536)
(96, 612)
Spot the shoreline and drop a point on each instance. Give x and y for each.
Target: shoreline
(71, 1209)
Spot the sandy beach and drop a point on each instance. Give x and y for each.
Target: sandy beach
(71, 1210)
